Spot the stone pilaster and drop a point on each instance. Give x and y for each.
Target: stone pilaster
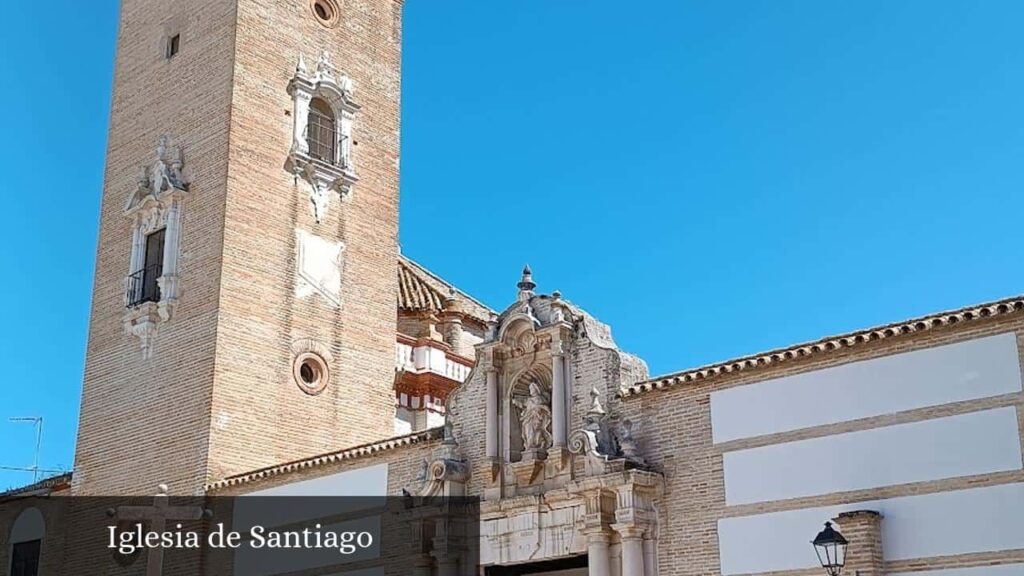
(560, 430)
(863, 529)
(595, 525)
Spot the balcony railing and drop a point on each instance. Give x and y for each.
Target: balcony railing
(425, 358)
(143, 287)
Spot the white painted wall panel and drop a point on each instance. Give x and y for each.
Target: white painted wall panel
(962, 445)
(1004, 570)
(960, 522)
(369, 481)
(964, 371)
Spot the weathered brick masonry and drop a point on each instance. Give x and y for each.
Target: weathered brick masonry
(217, 396)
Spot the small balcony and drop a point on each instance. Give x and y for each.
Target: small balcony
(143, 287)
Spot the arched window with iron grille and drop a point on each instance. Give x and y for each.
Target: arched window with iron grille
(322, 131)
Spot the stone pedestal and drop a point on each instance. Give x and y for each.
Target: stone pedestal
(529, 470)
(863, 529)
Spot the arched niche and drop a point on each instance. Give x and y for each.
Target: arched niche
(519, 335)
(24, 542)
(518, 389)
(29, 525)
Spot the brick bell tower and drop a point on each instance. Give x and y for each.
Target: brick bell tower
(243, 308)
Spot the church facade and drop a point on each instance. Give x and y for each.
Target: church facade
(256, 331)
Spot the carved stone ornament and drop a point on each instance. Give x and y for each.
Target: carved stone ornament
(155, 204)
(448, 473)
(322, 176)
(605, 446)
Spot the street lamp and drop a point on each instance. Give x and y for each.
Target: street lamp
(831, 549)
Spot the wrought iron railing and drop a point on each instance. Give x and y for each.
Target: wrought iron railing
(143, 286)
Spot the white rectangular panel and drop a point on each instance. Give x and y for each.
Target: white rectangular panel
(963, 445)
(959, 522)
(1003, 570)
(978, 368)
(369, 481)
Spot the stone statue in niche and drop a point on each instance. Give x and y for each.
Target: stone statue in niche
(535, 419)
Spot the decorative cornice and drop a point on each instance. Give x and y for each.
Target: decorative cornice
(328, 458)
(1014, 305)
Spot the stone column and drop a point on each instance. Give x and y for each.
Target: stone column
(345, 139)
(447, 566)
(650, 555)
(598, 562)
(559, 430)
(863, 529)
(138, 249)
(169, 274)
(421, 566)
(632, 549)
(491, 438)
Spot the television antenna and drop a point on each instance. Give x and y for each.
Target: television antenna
(36, 421)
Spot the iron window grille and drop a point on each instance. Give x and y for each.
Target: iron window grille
(322, 132)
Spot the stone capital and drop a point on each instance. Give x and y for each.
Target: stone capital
(630, 530)
(559, 347)
(597, 535)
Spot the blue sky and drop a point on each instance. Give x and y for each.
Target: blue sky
(710, 178)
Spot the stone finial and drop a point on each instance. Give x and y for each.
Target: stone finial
(451, 302)
(492, 328)
(323, 65)
(557, 307)
(595, 403)
(526, 284)
(301, 66)
(449, 434)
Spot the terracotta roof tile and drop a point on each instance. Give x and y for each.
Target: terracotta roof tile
(421, 290)
(44, 486)
(328, 458)
(1012, 305)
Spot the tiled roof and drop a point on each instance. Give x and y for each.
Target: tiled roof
(1013, 305)
(45, 485)
(421, 290)
(413, 292)
(330, 457)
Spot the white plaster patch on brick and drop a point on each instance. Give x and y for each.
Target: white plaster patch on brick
(978, 368)
(943, 524)
(320, 267)
(950, 447)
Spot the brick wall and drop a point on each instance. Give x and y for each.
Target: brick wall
(146, 421)
(217, 396)
(259, 314)
(676, 436)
